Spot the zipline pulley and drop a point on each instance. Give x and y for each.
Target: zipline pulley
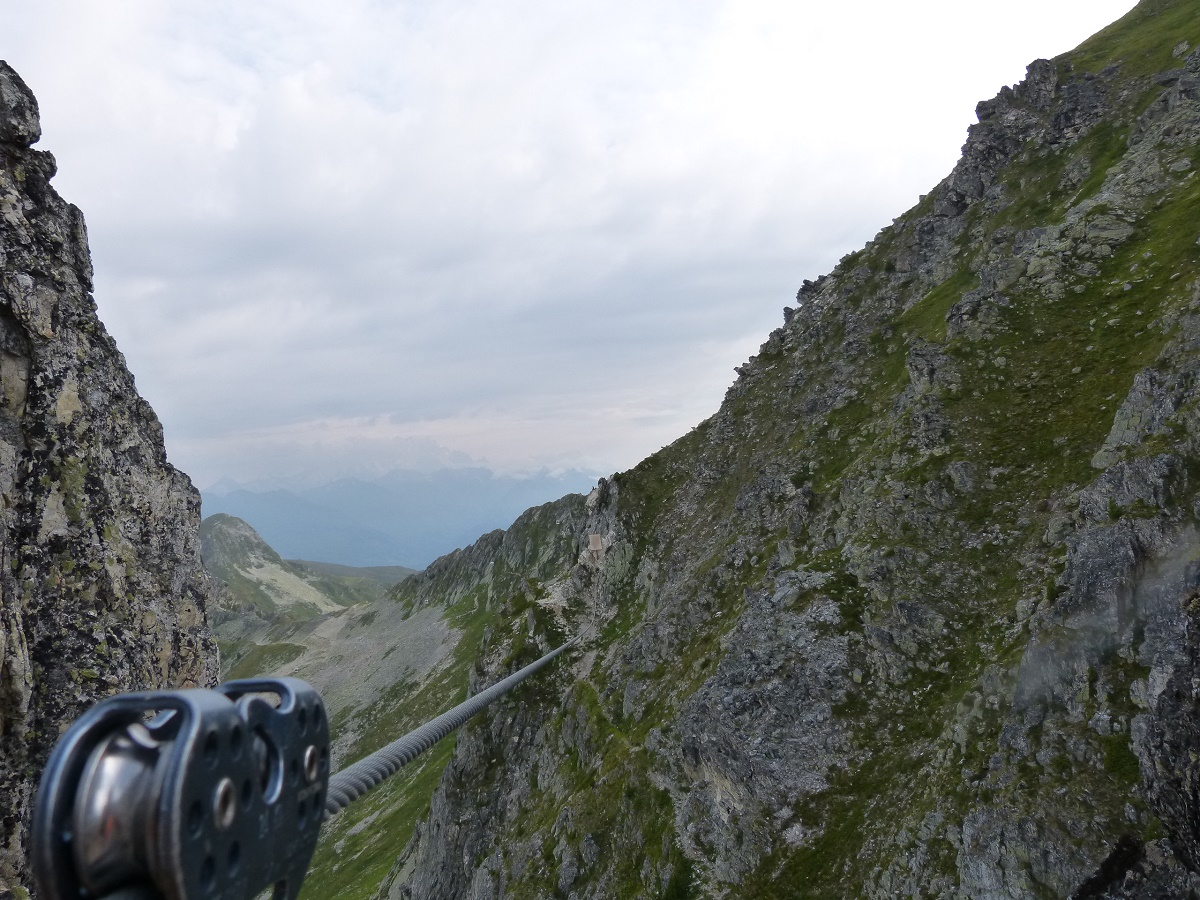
(207, 794)
(185, 795)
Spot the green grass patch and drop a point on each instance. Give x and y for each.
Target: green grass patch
(927, 317)
(679, 886)
(1035, 178)
(1142, 40)
(1119, 759)
(264, 659)
(1069, 364)
(359, 846)
(1104, 146)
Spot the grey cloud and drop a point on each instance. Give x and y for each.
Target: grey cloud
(500, 228)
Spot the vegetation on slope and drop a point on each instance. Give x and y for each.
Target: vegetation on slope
(883, 625)
(922, 449)
(476, 592)
(261, 596)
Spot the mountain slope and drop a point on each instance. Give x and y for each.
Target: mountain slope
(913, 613)
(261, 578)
(262, 597)
(382, 667)
(234, 552)
(453, 611)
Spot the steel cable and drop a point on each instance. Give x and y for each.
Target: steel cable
(355, 780)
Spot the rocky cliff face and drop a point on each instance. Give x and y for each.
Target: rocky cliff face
(915, 613)
(101, 587)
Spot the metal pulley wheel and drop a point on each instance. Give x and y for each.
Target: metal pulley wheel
(185, 795)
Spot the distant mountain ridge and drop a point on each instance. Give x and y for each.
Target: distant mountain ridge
(405, 517)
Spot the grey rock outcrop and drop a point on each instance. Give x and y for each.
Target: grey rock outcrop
(101, 586)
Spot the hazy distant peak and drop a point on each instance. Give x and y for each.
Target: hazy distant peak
(404, 516)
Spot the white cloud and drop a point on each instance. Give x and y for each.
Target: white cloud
(537, 234)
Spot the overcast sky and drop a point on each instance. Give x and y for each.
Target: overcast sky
(343, 237)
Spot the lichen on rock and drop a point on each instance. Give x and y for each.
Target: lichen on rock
(101, 584)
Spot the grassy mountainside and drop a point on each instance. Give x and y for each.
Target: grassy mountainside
(384, 576)
(384, 666)
(468, 594)
(912, 614)
(262, 596)
(259, 578)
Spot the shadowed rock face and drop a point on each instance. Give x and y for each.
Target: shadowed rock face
(101, 586)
